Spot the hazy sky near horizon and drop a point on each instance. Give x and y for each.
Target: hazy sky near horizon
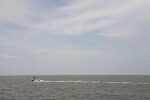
(74, 37)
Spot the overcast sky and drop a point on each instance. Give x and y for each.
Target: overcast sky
(74, 37)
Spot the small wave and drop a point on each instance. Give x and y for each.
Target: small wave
(3, 87)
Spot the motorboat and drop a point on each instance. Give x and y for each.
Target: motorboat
(36, 80)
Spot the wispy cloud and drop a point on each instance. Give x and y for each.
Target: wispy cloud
(107, 47)
(9, 57)
(115, 19)
(41, 51)
(15, 11)
(67, 52)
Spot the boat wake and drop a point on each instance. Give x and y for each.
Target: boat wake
(103, 82)
(123, 82)
(78, 81)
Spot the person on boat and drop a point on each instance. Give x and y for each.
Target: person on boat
(34, 78)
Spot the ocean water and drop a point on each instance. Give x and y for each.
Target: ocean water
(75, 87)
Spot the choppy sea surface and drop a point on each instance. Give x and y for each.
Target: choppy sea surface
(75, 87)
